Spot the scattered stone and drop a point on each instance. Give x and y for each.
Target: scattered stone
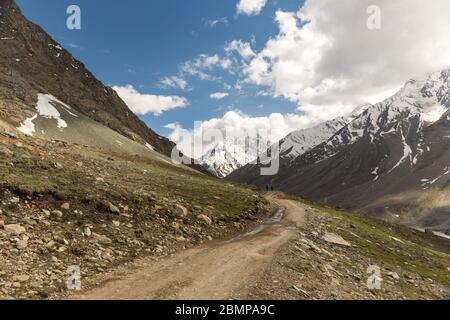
(50, 244)
(116, 223)
(14, 229)
(21, 278)
(46, 212)
(300, 291)
(205, 219)
(29, 221)
(176, 225)
(14, 200)
(5, 151)
(393, 275)
(22, 243)
(10, 134)
(101, 238)
(57, 214)
(2, 224)
(181, 212)
(336, 239)
(87, 231)
(396, 239)
(113, 209)
(65, 206)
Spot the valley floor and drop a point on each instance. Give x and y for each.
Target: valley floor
(301, 254)
(140, 228)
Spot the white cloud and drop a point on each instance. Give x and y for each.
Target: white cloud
(327, 61)
(273, 127)
(142, 104)
(244, 49)
(200, 67)
(173, 82)
(219, 95)
(250, 7)
(215, 22)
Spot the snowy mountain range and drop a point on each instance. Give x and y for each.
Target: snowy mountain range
(397, 150)
(233, 153)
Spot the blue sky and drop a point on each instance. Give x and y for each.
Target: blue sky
(289, 65)
(139, 43)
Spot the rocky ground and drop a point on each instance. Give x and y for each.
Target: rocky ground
(67, 205)
(336, 253)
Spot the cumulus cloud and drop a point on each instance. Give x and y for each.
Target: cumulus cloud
(143, 104)
(218, 95)
(173, 82)
(234, 123)
(250, 7)
(202, 65)
(244, 49)
(326, 60)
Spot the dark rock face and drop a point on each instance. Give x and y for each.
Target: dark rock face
(32, 62)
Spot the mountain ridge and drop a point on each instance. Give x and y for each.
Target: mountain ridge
(41, 65)
(392, 147)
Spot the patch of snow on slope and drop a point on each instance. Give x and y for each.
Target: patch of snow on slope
(375, 173)
(433, 113)
(427, 183)
(407, 152)
(45, 108)
(27, 127)
(149, 146)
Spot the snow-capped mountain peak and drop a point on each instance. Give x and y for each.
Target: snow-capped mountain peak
(233, 153)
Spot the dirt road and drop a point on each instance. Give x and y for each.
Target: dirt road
(218, 270)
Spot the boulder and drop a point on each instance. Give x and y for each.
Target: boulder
(65, 206)
(57, 214)
(22, 244)
(181, 212)
(101, 238)
(205, 219)
(21, 278)
(336, 239)
(113, 209)
(14, 229)
(87, 231)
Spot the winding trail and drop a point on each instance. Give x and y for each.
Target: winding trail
(217, 270)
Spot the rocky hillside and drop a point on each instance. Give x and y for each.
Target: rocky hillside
(31, 62)
(66, 204)
(393, 149)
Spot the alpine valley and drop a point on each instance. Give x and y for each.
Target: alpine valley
(92, 207)
(390, 160)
